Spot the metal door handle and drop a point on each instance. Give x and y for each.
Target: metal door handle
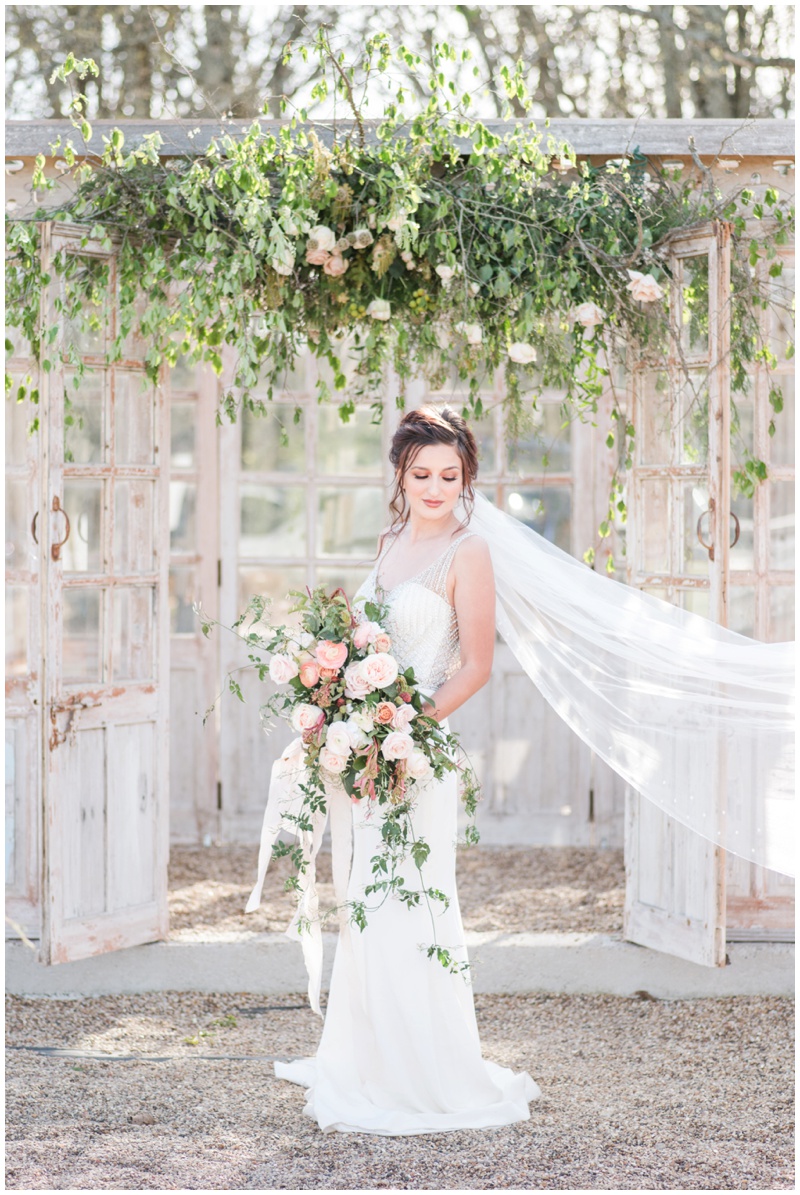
(55, 550)
(33, 527)
(735, 539)
(710, 547)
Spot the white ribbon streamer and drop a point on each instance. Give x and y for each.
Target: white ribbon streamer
(284, 802)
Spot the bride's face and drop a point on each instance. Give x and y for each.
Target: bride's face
(433, 482)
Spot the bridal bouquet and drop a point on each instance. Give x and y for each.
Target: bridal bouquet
(361, 719)
(362, 725)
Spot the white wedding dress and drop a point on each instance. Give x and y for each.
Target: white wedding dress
(400, 1052)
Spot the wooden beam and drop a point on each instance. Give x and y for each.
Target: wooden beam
(608, 137)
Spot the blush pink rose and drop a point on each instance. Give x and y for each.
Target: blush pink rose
(384, 713)
(309, 673)
(366, 633)
(332, 762)
(317, 257)
(403, 714)
(397, 745)
(307, 717)
(335, 266)
(327, 674)
(380, 669)
(331, 654)
(383, 642)
(356, 683)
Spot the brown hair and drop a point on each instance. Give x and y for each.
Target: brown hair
(417, 429)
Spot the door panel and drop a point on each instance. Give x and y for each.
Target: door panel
(680, 501)
(104, 555)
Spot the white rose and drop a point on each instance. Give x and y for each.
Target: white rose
(419, 766)
(358, 737)
(338, 739)
(404, 715)
(521, 352)
(397, 745)
(362, 719)
(284, 262)
(380, 309)
(332, 762)
(472, 332)
(445, 272)
(282, 669)
(643, 287)
(356, 683)
(379, 669)
(306, 716)
(474, 287)
(321, 238)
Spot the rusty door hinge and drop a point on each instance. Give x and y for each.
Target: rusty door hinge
(69, 707)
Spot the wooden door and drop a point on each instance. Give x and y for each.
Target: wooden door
(102, 520)
(23, 652)
(760, 903)
(679, 501)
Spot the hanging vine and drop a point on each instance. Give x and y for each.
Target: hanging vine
(426, 241)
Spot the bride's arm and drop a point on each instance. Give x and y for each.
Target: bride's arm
(474, 601)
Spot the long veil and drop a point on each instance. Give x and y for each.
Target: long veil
(697, 718)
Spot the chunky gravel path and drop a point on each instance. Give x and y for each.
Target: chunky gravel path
(175, 1091)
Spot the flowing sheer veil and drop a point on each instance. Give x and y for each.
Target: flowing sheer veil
(697, 718)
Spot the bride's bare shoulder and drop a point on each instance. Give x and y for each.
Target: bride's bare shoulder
(474, 552)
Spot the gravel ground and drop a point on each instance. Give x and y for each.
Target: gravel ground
(511, 889)
(638, 1094)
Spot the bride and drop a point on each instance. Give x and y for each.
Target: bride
(400, 1052)
(695, 717)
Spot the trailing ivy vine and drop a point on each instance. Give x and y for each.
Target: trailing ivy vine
(426, 241)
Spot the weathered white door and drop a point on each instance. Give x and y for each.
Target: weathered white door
(102, 533)
(678, 548)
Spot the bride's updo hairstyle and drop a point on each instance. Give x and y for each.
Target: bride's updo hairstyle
(417, 429)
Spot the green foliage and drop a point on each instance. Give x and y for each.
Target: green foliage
(469, 241)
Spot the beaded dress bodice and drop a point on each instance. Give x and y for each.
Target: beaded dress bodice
(421, 622)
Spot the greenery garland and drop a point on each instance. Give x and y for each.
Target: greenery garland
(428, 242)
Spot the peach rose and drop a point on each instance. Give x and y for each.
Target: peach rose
(331, 654)
(332, 762)
(282, 669)
(335, 266)
(397, 745)
(307, 717)
(384, 713)
(356, 683)
(382, 642)
(366, 633)
(327, 674)
(402, 716)
(317, 257)
(380, 669)
(309, 673)
(643, 287)
(338, 739)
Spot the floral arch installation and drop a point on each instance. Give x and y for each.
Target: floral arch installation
(426, 241)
